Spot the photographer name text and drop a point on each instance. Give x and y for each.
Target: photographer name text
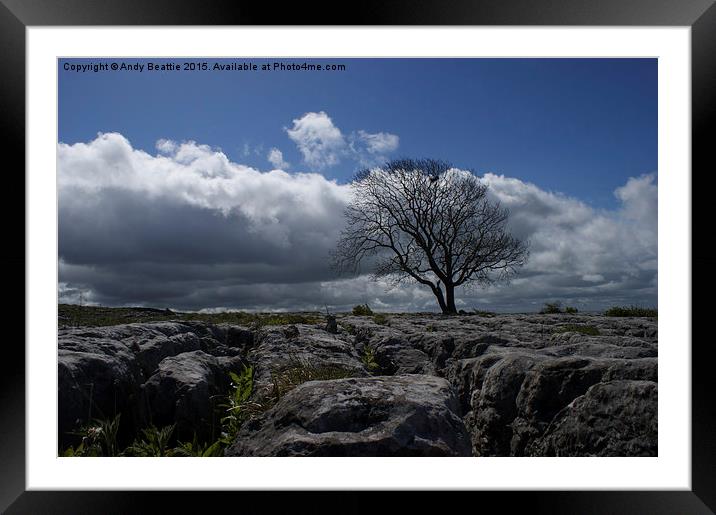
(200, 66)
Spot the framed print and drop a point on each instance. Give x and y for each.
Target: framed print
(425, 251)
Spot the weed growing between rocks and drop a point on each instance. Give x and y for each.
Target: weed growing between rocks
(154, 443)
(287, 378)
(99, 438)
(235, 405)
(368, 359)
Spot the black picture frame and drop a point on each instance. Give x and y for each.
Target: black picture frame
(16, 15)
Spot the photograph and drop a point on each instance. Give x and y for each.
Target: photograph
(357, 257)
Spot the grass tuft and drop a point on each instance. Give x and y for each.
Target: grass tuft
(589, 330)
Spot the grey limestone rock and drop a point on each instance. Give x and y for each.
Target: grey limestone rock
(407, 415)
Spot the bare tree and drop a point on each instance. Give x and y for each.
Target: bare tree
(423, 220)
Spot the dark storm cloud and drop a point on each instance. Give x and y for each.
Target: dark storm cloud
(189, 229)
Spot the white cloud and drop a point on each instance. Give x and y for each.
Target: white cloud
(380, 142)
(372, 149)
(188, 228)
(275, 204)
(318, 139)
(166, 146)
(275, 157)
(322, 144)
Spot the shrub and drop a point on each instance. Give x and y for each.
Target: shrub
(589, 330)
(551, 308)
(630, 311)
(380, 319)
(571, 310)
(362, 310)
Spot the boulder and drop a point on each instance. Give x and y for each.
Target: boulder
(408, 415)
(615, 418)
(186, 390)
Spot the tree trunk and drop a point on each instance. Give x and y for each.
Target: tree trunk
(441, 300)
(450, 299)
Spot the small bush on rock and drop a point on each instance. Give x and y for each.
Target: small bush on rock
(551, 308)
(362, 310)
(380, 319)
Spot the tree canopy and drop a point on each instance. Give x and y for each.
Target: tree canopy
(426, 221)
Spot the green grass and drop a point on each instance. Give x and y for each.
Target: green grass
(285, 379)
(70, 315)
(362, 310)
(589, 330)
(630, 311)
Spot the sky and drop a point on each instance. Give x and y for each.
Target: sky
(213, 189)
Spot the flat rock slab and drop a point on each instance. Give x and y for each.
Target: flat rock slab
(407, 415)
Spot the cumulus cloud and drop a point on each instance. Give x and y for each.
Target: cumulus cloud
(275, 157)
(322, 143)
(166, 146)
(371, 149)
(318, 139)
(188, 228)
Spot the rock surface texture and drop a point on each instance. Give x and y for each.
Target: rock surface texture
(413, 385)
(407, 415)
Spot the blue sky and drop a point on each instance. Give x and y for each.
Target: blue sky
(180, 188)
(578, 126)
